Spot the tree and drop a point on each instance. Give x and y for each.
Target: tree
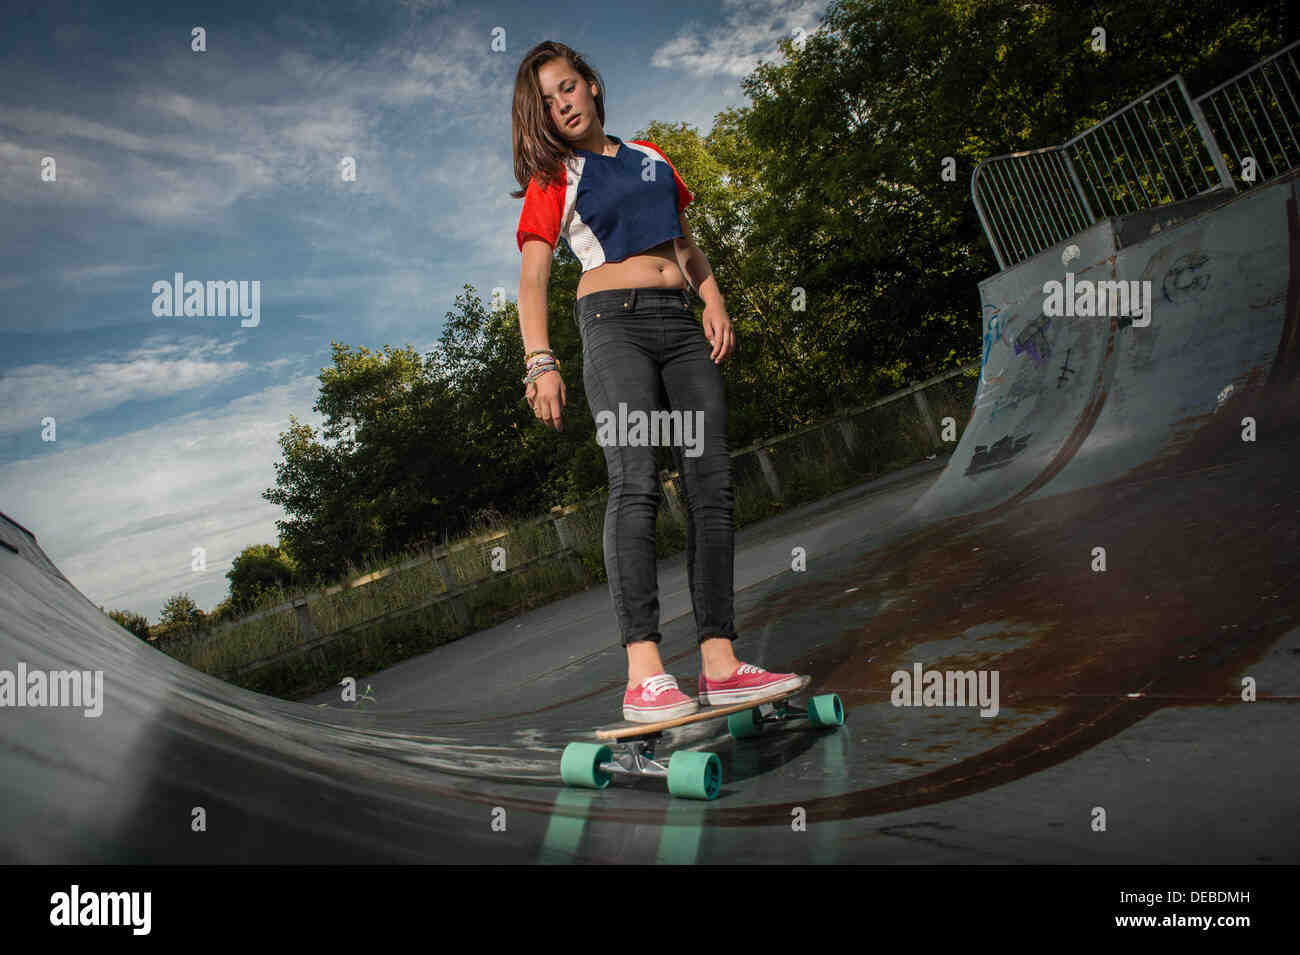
(843, 147)
(136, 623)
(256, 570)
(181, 617)
(420, 444)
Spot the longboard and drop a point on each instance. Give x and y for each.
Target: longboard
(690, 774)
(630, 730)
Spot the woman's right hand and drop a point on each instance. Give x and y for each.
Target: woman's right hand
(546, 398)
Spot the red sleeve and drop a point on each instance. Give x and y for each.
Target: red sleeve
(684, 195)
(542, 212)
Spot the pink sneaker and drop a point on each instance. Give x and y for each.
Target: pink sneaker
(747, 683)
(657, 698)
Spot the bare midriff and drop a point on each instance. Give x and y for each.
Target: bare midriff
(653, 268)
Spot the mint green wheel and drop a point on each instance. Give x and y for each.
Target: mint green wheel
(744, 724)
(694, 775)
(826, 710)
(580, 765)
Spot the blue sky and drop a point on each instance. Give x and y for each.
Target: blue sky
(223, 166)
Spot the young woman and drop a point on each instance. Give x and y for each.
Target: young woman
(618, 206)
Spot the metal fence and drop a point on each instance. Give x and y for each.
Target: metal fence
(1162, 148)
(1029, 201)
(1155, 151)
(875, 438)
(1255, 115)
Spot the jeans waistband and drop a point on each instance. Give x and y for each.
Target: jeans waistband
(628, 300)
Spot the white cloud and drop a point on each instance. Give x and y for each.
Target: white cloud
(70, 392)
(95, 272)
(751, 30)
(121, 517)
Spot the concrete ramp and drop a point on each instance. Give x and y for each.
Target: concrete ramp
(1070, 401)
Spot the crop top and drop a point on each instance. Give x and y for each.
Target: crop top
(605, 209)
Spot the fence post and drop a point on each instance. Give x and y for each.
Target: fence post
(923, 407)
(306, 626)
(849, 433)
(561, 521)
(828, 445)
(769, 472)
(458, 605)
(1207, 136)
(1078, 186)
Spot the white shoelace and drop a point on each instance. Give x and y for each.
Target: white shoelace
(750, 668)
(654, 685)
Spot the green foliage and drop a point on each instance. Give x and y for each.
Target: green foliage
(181, 618)
(129, 620)
(414, 446)
(258, 569)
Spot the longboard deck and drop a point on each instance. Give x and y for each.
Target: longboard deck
(627, 729)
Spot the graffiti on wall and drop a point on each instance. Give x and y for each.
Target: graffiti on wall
(1187, 278)
(1033, 340)
(1066, 370)
(999, 454)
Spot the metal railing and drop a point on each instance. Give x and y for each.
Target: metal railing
(1155, 151)
(1162, 148)
(1029, 201)
(1255, 114)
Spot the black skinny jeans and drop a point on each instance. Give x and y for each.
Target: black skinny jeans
(644, 351)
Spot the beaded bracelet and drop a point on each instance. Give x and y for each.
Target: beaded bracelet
(540, 351)
(534, 375)
(539, 366)
(538, 370)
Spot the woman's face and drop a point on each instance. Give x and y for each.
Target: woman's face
(569, 100)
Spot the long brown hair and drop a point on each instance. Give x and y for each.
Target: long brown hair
(539, 152)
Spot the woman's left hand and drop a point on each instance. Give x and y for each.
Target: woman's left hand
(718, 330)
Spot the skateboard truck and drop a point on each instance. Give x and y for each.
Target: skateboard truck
(637, 758)
(782, 710)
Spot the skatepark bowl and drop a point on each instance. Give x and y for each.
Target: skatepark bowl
(1113, 547)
